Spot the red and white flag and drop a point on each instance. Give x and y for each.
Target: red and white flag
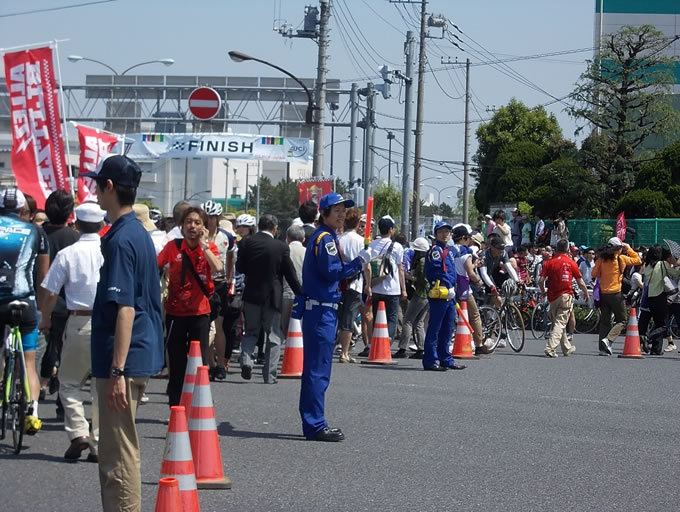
(621, 226)
(95, 145)
(38, 161)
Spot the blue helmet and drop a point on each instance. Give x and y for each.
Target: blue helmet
(441, 224)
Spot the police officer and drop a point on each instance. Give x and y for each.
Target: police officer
(322, 273)
(440, 271)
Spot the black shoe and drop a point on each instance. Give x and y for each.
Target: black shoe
(364, 352)
(246, 372)
(455, 367)
(219, 373)
(435, 368)
(329, 435)
(418, 354)
(42, 394)
(400, 354)
(260, 359)
(483, 350)
(78, 446)
(53, 385)
(92, 457)
(60, 413)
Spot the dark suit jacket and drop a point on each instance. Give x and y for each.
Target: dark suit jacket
(265, 261)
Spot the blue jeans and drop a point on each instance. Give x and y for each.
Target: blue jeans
(391, 309)
(439, 333)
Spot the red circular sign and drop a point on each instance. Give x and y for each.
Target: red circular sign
(204, 103)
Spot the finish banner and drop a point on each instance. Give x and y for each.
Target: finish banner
(95, 145)
(314, 190)
(38, 161)
(218, 145)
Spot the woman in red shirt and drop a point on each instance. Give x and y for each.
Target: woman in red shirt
(191, 262)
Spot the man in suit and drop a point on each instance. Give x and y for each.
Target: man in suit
(265, 261)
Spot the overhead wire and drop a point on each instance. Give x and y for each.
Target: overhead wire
(52, 9)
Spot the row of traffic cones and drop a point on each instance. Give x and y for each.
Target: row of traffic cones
(192, 458)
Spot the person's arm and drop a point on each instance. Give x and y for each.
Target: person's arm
(503, 228)
(49, 300)
(541, 284)
(242, 260)
(230, 266)
(212, 256)
(117, 398)
(328, 261)
(42, 265)
(582, 284)
(596, 269)
(631, 257)
(367, 281)
(402, 281)
(470, 269)
(50, 285)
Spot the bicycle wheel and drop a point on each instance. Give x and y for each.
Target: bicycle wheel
(539, 321)
(587, 319)
(514, 327)
(491, 326)
(17, 407)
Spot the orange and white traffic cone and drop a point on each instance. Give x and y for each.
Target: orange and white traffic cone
(167, 498)
(177, 461)
(380, 343)
(293, 353)
(194, 360)
(631, 347)
(205, 445)
(463, 346)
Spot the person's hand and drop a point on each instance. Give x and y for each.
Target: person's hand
(45, 323)
(404, 295)
(116, 396)
(586, 297)
(452, 294)
(498, 302)
(203, 235)
(368, 291)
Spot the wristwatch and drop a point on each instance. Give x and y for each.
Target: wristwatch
(116, 372)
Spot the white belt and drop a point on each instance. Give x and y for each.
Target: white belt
(314, 302)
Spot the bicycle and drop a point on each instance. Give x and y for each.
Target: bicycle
(541, 325)
(507, 322)
(16, 395)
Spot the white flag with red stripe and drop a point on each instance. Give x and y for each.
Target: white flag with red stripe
(95, 145)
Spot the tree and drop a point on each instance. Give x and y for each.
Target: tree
(386, 201)
(511, 123)
(625, 93)
(564, 186)
(280, 199)
(644, 204)
(520, 159)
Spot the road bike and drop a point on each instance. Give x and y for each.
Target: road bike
(541, 325)
(506, 323)
(16, 395)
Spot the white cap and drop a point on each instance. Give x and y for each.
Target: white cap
(297, 221)
(420, 244)
(614, 242)
(12, 199)
(388, 217)
(89, 212)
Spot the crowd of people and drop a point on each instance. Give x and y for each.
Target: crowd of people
(116, 296)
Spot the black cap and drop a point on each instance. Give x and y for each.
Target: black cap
(497, 243)
(119, 169)
(385, 224)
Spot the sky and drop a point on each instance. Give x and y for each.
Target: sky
(364, 35)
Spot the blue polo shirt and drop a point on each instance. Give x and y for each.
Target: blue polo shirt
(129, 277)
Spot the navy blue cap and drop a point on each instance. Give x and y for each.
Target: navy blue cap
(441, 224)
(332, 199)
(119, 169)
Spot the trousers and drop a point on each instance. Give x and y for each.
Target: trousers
(318, 332)
(268, 320)
(560, 311)
(180, 331)
(414, 320)
(439, 333)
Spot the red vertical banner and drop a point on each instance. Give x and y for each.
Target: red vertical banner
(95, 145)
(38, 160)
(621, 226)
(314, 190)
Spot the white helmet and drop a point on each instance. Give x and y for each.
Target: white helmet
(211, 207)
(245, 220)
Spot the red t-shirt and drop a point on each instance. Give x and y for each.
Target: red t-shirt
(187, 299)
(560, 270)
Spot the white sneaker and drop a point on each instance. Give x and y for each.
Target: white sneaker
(502, 343)
(670, 348)
(607, 346)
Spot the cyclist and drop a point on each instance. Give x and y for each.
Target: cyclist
(222, 281)
(23, 245)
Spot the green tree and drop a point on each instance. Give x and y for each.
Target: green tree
(280, 199)
(564, 186)
(386, 201)
(514, 122)
(644, 204)
(520, 160)
(625, 93)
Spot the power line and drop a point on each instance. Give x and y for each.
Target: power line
(355, 62)
(379, 16)
(50, 9)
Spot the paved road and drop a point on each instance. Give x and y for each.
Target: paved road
(513, 432)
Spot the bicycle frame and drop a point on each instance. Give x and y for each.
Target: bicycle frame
(13, 345)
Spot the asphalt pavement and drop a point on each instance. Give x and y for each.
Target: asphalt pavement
(512, 432)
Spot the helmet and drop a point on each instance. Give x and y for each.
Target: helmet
(245, 220)
(12, 199)
(212, 208)
(155, 214)
(461, 230)
(509, 288)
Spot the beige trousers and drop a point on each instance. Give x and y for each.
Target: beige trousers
(73, 372)
(475, 321)
(560, 310)
(119, 458)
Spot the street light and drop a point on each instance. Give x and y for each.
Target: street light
(439, 192)
(77, 58)
(242, 57)
(431, 178)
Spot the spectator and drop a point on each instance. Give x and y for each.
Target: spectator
(127, 332)
(351, 244)
(158, 237)
(540, 233)
(559, 229)
(387, 279)
(29, 209)
(516, 228)
(308, 212)
(190, 262)
(490, 225)
(264, 261)
(76, 269)
(503, 231)
(39, 218)
(177, 213)
(414, 318)
(295, 235)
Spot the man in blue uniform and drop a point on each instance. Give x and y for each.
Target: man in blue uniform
(323, 276)
(440, 271)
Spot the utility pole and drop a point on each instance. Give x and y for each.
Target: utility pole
(408, 122)
(419, 121)
(353, 102)
(466, 146)
(370, 137)
(390, 137)
(317, 169)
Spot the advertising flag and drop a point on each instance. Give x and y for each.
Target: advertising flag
(621, 226)
(314, 189)
(37, 159)
(95, 145)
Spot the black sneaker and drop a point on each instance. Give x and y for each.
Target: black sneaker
(364, 352)
(418, 354)
(260, 358)
(400, 354)
(219, 373)
(53, 385)
(246, 372)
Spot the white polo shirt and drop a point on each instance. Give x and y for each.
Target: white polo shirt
(391, 286)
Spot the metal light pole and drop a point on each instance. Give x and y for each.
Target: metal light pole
(390, 137)
(78, 58)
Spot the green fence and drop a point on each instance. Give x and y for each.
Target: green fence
(596, 232)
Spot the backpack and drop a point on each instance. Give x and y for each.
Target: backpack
(381, 266)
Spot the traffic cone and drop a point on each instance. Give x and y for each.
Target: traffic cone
(205, 445)
(631, 347)
(177, 461)
(293, 353)
(380, 343)
(463, 346)
(194, 360)
(168, 498)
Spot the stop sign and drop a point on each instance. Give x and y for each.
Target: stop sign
(204, 103)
